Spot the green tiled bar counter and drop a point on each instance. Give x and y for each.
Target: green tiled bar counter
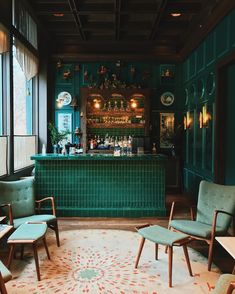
(103, 185)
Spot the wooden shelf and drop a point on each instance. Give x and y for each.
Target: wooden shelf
(109, 126)
(116, 113)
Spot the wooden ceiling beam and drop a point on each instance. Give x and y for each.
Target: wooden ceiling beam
(117, 18)
(74, 10)
(159, 15)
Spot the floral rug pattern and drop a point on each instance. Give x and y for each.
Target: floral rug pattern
(102, 261)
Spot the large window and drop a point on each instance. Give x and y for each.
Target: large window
(1, 97)
(24, 141)
(22, 100)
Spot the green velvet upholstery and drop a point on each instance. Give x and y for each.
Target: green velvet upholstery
(6, 275)
(211, 197)
(223, 284)
(195, 228)
(161, 235)
(33, 218)
(29, 232)
(21, 196)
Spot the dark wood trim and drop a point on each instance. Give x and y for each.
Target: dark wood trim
(221, 117)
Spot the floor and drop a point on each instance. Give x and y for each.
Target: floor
(221, 258)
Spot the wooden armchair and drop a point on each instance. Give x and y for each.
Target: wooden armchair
(18, 202)
(5, 276)
(225, 284)
(215, 211)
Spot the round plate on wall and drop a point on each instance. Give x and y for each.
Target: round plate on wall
(65, 97)
(167, 98)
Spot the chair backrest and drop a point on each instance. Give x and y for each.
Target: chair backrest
(213, 197)
(20, 194)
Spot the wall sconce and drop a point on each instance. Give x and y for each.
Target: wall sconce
(204, 117)
(187, 121)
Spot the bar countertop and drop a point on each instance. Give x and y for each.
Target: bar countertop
(50, 156)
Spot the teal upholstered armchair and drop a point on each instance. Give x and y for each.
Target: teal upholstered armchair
(225, 284)
(215, 211)
(17, 198)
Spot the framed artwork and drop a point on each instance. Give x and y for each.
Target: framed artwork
(64, 123)
(167, 121)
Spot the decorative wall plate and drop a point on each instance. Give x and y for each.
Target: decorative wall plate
(167, 98)
(65, 97)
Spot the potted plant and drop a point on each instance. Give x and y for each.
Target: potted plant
(56, 137)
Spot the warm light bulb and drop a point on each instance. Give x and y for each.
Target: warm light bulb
(133, 104)
(175, 14)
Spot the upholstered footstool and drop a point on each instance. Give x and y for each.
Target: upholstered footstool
(28, 233)
(160, 235)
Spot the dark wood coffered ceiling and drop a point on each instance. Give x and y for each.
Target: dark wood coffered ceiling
(128, 29)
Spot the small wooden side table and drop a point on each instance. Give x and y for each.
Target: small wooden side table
(229, 245)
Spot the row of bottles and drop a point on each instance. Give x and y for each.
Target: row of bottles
(120, 145)
(115, 120)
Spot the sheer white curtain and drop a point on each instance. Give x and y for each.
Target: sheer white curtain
(27, 60)
(3, 157)
(4, 39)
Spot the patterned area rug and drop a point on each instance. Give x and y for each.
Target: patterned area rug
(102, 261)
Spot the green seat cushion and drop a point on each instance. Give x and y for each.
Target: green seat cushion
(223, 283)
(194, 228)
(33, 218)
(5, 272)
(29, 232)
(161, 235)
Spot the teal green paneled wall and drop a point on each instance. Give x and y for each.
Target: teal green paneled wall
(230, 127)
(70, 77)
(199, 88)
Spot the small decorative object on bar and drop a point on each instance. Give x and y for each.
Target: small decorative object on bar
(167, 98)
(204, 117)
(56, 137)
(187, 121)
(64, 98)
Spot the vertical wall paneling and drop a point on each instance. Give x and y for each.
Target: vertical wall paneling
(231, 28)
(210, 48)
(222, 40)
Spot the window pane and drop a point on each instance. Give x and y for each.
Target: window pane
(22, 101)
(3, 157)
(24, 148)
(1, 97)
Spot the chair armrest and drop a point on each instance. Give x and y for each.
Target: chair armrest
(231, 288)
(10, 214)
(216, 212)
(172, 212)
(39, 202)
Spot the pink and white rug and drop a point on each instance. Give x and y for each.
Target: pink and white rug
(102, 261)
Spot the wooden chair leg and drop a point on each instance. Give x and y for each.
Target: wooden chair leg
(10, 256)
(187, 260)
(156, 251)
(3, 289)
(139, 252)
(22, 251)
(36, 260)
(54, 227)
(46, 247)
(210, 254)
(170, 259)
